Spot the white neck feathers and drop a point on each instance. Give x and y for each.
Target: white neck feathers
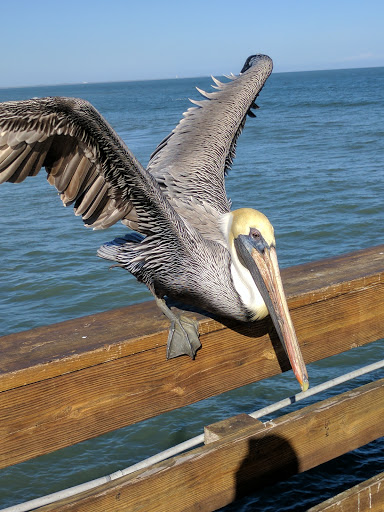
(243, 282)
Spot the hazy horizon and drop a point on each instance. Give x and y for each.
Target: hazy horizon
(177, 78)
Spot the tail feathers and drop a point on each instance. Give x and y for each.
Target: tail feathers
(111, 250)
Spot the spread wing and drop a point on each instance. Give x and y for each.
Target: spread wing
(84, 158)
(93, 169)
(191, 163)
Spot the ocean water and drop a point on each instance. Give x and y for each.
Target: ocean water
(312, 161)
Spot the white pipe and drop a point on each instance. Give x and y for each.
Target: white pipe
(186, 445)
(86, 486)
(317, 389)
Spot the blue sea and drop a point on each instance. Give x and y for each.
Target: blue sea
(312, 161)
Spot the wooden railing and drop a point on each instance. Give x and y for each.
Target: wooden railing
(72, 381)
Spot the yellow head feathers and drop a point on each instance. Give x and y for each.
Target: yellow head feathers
(244, 219)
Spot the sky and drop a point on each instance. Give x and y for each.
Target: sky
(48, 42)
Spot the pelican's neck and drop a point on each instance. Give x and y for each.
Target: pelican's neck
(242, 280)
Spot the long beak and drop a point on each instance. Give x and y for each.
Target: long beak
(265, 271)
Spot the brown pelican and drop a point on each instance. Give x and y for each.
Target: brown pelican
(186, 244)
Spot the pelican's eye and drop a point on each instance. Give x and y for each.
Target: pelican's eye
(255, 234)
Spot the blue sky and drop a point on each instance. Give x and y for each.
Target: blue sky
(47, 42)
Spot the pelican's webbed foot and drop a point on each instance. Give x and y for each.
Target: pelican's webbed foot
(183, 338)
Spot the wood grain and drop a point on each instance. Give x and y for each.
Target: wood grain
(367, 496)
(45, 352)
(76, 380)
(212, 476)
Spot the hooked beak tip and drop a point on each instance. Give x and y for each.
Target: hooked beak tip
(304, 384)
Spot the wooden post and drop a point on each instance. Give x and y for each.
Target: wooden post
(224, 428)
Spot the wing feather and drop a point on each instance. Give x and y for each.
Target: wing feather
(78, 179)
(190, 164)
(66, 137)
(33, 164)
(91, 198)
(9, 155)
(91, 168)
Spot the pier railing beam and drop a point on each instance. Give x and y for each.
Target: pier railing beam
(76, 380)
(368, 495)
(245, 460)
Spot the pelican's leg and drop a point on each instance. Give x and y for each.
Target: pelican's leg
(183, 335)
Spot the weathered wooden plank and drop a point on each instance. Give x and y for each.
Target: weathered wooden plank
(52, 350)
(214, 475)
(48, 351)
(223, 428)
(368, 495)
(127, 380)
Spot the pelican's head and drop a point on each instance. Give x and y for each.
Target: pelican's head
(256, 276)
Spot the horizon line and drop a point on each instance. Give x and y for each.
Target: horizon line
(172, 78)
